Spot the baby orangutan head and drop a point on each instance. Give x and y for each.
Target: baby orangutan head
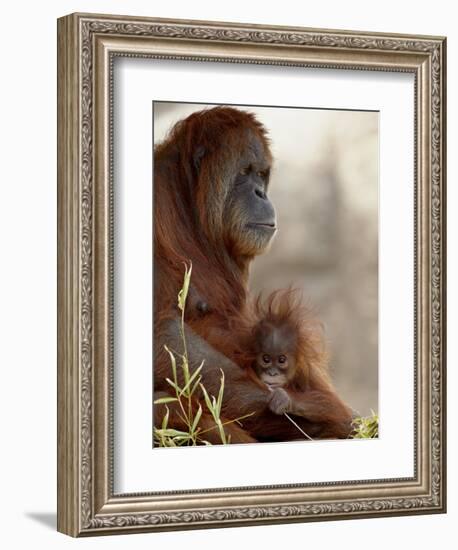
(275, 348)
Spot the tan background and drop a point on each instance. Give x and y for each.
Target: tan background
(325, 190)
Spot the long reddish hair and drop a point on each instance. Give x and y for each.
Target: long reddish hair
(281, 308)
(193, 173)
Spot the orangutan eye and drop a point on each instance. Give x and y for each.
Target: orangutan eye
(282, 358)
(263, 174)
(266, 358)
(245, 171)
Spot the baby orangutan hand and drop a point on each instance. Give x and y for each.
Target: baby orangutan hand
(280, 402)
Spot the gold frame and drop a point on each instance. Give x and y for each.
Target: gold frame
(87, 45)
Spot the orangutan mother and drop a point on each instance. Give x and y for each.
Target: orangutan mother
(211, 207)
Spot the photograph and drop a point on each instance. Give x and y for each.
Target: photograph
(227, 229)
(251, 268)
(265, 247)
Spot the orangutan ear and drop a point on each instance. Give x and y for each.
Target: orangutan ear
(199, 154)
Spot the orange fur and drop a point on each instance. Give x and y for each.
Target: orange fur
(190, 197)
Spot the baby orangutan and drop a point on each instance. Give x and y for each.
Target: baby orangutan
(280, 345)
(287, 353)
(275, 362)
(284, 346)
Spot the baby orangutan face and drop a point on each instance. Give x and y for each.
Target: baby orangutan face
(275, 362)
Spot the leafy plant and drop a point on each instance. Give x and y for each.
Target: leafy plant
(186, 395)
(365, 427)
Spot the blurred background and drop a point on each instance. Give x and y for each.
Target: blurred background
(324, 186)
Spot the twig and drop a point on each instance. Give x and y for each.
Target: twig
(227, 422)
(297, 426)
(292, 421)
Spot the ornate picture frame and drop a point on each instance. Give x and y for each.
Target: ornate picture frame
(87, 46)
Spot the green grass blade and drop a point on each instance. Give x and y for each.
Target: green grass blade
(196, 419)
(163, 400)
(175, 386)
(174, 364)
(171, 432)
(219, 401)
(165, 420)
(183, 294)
(185, 369)
(189, 382)
(222, 433)
(194, 387)
(206, 398)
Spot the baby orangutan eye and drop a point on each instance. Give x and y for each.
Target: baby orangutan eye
(266, 358)
(244, 171)
(282, 358)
